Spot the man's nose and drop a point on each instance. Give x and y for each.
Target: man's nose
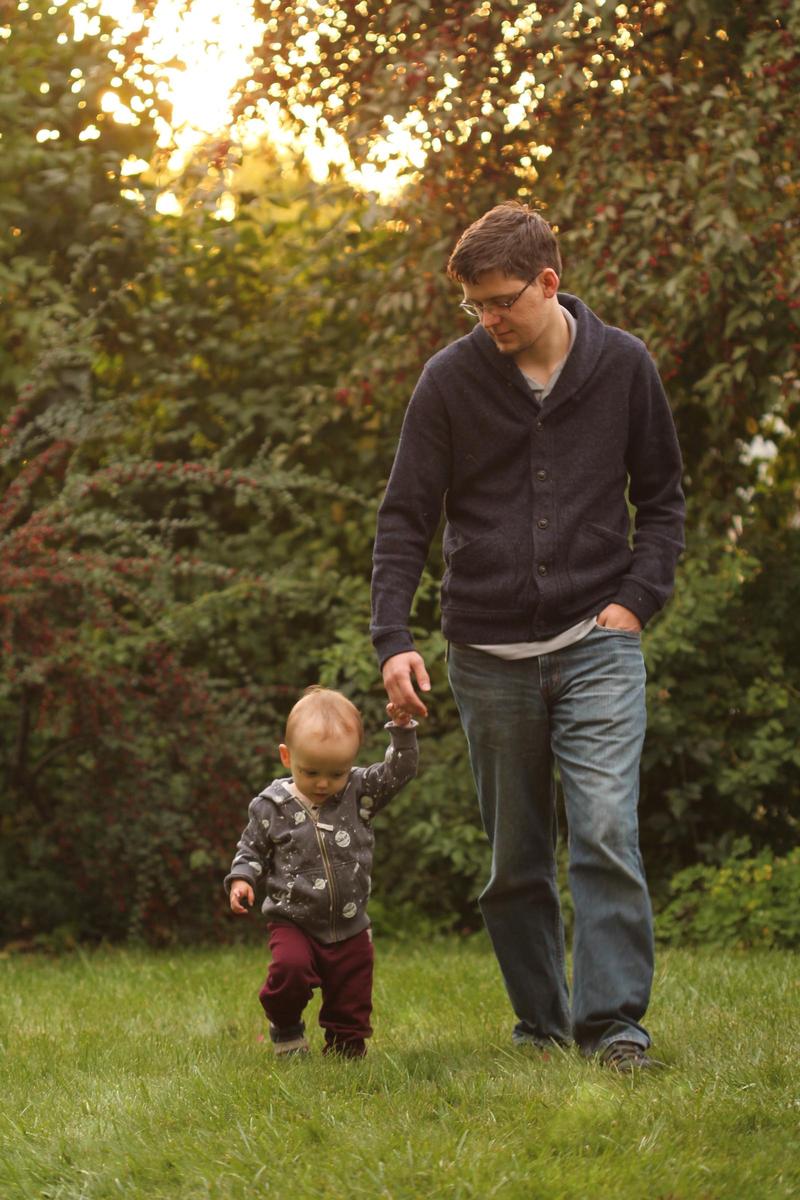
(488, 317)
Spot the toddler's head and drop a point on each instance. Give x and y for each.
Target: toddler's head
(323, 736)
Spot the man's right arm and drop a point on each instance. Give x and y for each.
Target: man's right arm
(407, 520)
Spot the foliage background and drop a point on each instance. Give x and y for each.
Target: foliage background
(199, 418)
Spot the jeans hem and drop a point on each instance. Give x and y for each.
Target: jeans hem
(632, 1035)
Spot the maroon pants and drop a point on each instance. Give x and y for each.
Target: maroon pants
(342, 969)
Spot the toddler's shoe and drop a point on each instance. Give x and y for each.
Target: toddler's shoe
(289, 1040)
(286, 1049)
(347, 1048)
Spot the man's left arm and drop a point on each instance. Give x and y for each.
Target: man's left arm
(653, 459)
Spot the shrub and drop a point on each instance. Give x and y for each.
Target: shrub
(745, 902)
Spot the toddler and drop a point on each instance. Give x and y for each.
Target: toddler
(309, 841)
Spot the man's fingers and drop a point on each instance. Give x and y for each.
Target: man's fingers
(421, 676)
(403, 695)
(397, 679)
(408, 701)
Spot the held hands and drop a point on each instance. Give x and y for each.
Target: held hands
(398, 715)
(399, 672)
(614, 616)
(241, 891)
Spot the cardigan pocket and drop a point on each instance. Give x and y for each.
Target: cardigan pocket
(610, 535)
(487, 574)
(598, 558)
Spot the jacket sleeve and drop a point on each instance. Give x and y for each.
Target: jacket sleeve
(254, 849)
(409, 516)
(378, 784)
(653, 460)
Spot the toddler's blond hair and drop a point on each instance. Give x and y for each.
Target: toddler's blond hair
(327, 712)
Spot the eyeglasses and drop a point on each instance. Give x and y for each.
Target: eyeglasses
(477, 308)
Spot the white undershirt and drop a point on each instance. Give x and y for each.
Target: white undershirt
(513, 650)
(311, 808)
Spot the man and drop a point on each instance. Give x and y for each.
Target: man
(535, 432)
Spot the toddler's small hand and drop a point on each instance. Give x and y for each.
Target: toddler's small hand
(397, 714)
(241, 894)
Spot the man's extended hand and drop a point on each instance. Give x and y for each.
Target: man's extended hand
(614, 616)
(398, 672)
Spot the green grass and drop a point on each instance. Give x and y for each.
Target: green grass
(128, 1074)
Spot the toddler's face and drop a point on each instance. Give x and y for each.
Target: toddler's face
(320, 766)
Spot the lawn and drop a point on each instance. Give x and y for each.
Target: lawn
(128, 1073)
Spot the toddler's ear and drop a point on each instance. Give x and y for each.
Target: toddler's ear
(286, 757)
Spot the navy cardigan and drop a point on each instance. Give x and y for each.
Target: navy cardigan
(538, 530)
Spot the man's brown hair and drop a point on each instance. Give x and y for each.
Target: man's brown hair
(329, 713)
(512, 238)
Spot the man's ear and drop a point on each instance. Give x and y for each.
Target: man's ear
(286, 757)
(550, 282)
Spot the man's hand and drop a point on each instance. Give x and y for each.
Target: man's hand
(614, 616)
(398, 672)
(241, 891)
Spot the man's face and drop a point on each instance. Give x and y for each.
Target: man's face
(516, 329)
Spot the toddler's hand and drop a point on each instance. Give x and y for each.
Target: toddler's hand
(241, 892)
(397, 714)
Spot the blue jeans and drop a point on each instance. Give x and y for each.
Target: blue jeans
(582, 708)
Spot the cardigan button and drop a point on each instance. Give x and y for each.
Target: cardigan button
(540, 425)
(542, 569)
(541, 473)
(543, 522)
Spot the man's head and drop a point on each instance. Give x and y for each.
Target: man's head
(509, 266)
(511, 238)
(323, 736)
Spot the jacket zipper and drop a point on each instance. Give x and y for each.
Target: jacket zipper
(331, 882)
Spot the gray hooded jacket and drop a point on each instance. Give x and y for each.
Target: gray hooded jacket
(317, 874)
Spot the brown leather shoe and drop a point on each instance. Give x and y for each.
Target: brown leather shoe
(627, 1057)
